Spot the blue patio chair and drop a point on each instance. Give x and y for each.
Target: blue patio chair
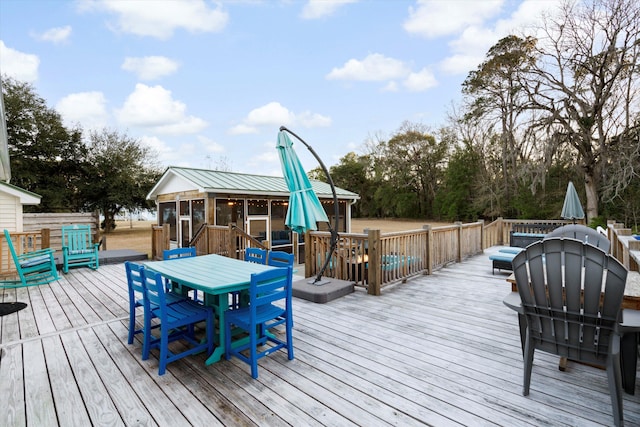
(571, 294)
(257, 256)
(270, 305)
(134, 283)
(176, 322)
(280, 259)
(177, 253)
(78, 248)
(34, 268)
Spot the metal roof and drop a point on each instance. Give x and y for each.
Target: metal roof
(26, 197)
(211, 181)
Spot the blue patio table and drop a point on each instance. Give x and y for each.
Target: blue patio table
(214, 275)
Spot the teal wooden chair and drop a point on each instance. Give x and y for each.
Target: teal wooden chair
(176, 322)
(78, 249)
(280, 259)
(270, 305)
(35, 267)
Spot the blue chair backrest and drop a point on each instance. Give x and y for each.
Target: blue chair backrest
(134, 278)
(280, 259)
(178, 253)
(256, 255)
(270, 286)
(153, 291)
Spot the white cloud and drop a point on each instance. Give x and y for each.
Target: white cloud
(160, 19)
(88, 109)
(210, 145)
(435, 18)
(420, 81)
(312, 120)
(55, 35)
(275, 114)
(315, 9)
(20, 66)
(392, 86)
(270, 114)
(460, 64)
(150, 67)
(242, 129)
(375, 67)
(161, 148)
(474, 31)
(154, 107)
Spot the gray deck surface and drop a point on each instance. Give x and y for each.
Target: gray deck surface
(438, 350)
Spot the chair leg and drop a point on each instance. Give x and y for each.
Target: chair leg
(146, 337)
(615, 389)
(164, 350)
(132, 323)
(528, 366)
(253, 351)
(289, 327)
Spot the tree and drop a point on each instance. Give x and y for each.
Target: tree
(585, 83)
(494, 94)
(351, 174)
(414, 162)
(46, 158)
(123, 172)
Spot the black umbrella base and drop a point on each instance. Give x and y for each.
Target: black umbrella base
(11, 307)
(321, 294)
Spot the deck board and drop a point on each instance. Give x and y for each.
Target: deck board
(438, 350)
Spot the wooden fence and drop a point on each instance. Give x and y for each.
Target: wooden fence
(34, 222)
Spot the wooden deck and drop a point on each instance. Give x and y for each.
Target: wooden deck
(439, 350)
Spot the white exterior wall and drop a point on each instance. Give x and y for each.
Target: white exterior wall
(10, 213)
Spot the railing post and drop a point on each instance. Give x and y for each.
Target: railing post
(166, 238)
(232, 243)
(374, 258)
(459, 251)
(45, 236)
(429, 249)
(308, 254)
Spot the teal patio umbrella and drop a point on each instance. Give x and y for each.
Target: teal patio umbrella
(305, 210)
(572, 208)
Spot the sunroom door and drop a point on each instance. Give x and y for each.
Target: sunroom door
(258, 227)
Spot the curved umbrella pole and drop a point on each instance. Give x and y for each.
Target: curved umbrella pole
(334, 229)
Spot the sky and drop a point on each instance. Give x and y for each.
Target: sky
(207, 84)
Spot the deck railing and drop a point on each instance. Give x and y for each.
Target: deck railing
(23, 242)
(373, 259)
(624, 247)
(229, 241)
